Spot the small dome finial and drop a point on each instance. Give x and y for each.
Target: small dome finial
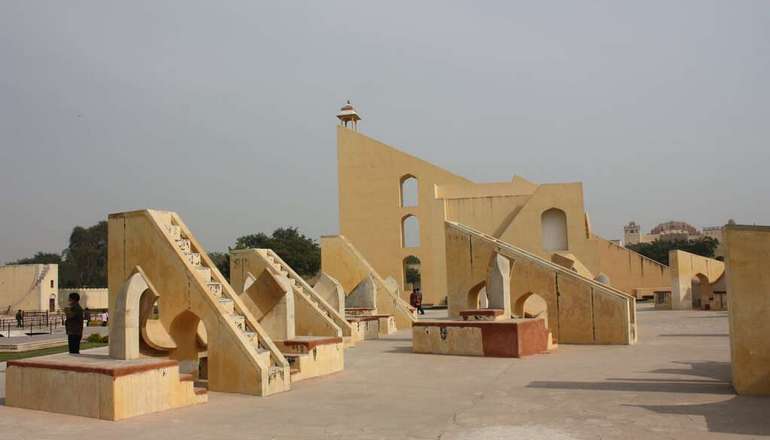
(348, 114)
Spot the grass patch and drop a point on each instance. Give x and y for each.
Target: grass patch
(46, 351)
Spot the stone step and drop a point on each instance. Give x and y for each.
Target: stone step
(264, 355)
(200, 391)
(204, 273)
(216, 290)
(239, 321)
(194, 258)
(252, 337)
(175, 231)
(184, 245)
(228, 304)
(293, 359)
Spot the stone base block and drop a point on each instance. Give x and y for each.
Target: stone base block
(313, 356)
(98, 386)
(365, 327)
(510, 338)
(483, 315)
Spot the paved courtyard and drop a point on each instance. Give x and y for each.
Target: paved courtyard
(674, 384)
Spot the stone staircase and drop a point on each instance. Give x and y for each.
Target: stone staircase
(227, 304)
(301, 287)
(516, 253)
(201, 393)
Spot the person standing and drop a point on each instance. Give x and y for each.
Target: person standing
(19, 318)
(74, 323)
(416, 299)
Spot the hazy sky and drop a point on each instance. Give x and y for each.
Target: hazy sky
(224, 111)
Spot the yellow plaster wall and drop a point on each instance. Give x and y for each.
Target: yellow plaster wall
(342, 261)
(579, 310)
(138, 238)
(748, 297)
(308, 307)
(369, 174)
(28, 286)
(370, 217)
(98, 395)
(684, 266)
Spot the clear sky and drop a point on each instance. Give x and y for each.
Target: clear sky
(224, 111)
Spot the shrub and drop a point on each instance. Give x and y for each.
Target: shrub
(96, 338)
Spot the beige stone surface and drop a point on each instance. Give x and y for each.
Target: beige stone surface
(29, 287)
(321, 361)
(290, 309)
(91, 386)
(684, 267)
(748, 287)
(371, 215)
(92, 298)
(331, 291)
(673, 384)
(341, 260)
(312, 314)
(578, 309)
(192, 291)
(460, 341)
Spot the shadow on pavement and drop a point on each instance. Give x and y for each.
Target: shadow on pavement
(737, 415)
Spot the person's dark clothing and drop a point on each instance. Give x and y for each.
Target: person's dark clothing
(74, 327)
(87, 315)
(73, 341)
(74, 322)
(416, 300)
(19, 319)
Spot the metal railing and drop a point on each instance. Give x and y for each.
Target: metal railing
(33, 322)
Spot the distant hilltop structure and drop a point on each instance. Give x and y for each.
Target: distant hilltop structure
(668, 231)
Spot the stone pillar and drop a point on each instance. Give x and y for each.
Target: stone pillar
(499, 284)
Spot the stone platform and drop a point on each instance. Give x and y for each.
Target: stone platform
(313, 356)
(507, 338)
(98, 386)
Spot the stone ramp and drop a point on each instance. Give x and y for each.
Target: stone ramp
(292, 313)
(579, 309)
(197, 307)
(342, 261)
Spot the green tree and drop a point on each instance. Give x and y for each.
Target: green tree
(298, 251)
(40, 258)
(222, 262)
(85, 259)
(411, 260)
(412, 276)
(658, 250)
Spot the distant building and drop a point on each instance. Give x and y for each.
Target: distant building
(673, 230)
(29, 287)
(94, 299)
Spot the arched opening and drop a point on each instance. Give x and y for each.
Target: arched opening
(554, 230)
(52, 303)
(474, 296)
(409, 193)
(410, 232)
(153, 340)
(412, 273)
(700, 291)
(483, 298)
(185, 330)
(532, 305)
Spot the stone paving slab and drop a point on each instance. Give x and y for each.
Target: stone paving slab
(674, 384)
